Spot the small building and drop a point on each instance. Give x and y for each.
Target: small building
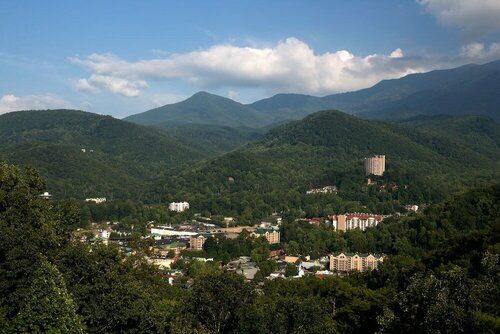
(45, 195)
(97, 200)
(324, 190)
(272, 235)
(178, 206)
(345, 262)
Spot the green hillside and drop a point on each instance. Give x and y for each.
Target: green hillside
(326, 148)
(215, 139)
(84, 154)
(202, 108)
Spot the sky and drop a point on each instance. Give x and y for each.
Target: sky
(124, 57)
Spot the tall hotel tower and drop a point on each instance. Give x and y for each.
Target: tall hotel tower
(375, 165)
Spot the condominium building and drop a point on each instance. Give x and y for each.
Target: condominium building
(272, 235)
(350, 221)
(197, 241)
(178, 207)
(375, 165)
(345, 262)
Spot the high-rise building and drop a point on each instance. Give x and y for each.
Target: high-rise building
(375, 165)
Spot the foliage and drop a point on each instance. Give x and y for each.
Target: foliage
(49, 307)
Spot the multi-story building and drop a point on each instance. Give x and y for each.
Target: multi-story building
(345, 262)
(197, 241)
(178, 207)
(272, 235)
(350, 221)
(375, 165)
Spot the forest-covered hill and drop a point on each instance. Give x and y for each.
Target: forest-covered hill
(87, 155)
(328, 148)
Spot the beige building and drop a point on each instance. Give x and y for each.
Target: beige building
(345, 262)
(197, 241)
(375, 165)
(351, 221)
(272, 236)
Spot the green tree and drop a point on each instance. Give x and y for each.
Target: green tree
(219, 301)
(49, 307)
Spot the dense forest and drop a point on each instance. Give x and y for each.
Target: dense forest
(424, 164)
(441, 276)
(89, 155)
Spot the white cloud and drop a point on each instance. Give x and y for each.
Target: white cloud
(114, 84)
(475, 17)
(31, 102)
(479, 51)
(398, 53)
(289, 66)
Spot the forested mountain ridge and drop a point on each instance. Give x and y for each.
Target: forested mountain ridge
(202, 108)
(85, 154)
(328, 147)
(466, 90)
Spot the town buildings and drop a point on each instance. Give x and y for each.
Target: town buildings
(178, 207)
(272, 235)
(345, 262)
(375, 165)
(350, 221)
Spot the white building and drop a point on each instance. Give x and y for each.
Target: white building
(178, 207)
(169, 231)
(351, 221)
(97, 200)
(375, 165)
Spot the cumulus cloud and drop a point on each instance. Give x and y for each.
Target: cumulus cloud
(290, 66)
(31, 102)
(475, 17)
(114, 84)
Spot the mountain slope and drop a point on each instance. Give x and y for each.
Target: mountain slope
(215, 139)
(84, 154)
(465, 90)
(326, 148)
(202, 108)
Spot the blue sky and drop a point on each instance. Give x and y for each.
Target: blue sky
(125, 57)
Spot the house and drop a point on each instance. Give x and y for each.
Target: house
(45, 195)
(346, 262)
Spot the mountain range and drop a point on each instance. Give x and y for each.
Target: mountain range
(191, 148)
(466, 90)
